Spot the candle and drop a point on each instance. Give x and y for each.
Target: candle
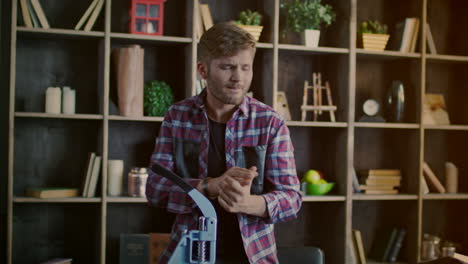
(451, 177)
(53, 100)
(68, 100)
(115, 170)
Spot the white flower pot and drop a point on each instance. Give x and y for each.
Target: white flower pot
(311, 38)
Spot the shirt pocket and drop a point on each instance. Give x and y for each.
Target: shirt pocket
(186, 155)
(248, 156)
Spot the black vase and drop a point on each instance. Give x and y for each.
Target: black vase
(395, 102)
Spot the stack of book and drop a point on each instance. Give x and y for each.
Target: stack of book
(406, 34)
(380, 181)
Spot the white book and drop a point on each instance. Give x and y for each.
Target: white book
(40, 14)
(430, 40)
(414, 39)
(88, 172)
(25, 12)
(86, 14)
(94, 15)
(94, 177)
(407, 34)
(206, 16)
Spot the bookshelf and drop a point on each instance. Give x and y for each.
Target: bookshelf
(47, 149)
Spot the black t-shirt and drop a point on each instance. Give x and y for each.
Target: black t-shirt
(229, 241)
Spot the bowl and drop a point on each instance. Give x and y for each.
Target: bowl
(319, 189)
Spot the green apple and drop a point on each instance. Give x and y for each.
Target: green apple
(322, 181)
(312, 176)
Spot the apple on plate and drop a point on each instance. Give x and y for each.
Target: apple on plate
(313, 176)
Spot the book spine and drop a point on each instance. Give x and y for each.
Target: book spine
(389, 245)
(397, 246)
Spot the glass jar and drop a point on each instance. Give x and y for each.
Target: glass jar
(137, 182)
(430, 249)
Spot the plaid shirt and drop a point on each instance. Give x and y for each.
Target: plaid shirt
(252, 124)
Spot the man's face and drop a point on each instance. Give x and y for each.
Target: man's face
(228, 78)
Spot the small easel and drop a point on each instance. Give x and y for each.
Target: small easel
(317, 105)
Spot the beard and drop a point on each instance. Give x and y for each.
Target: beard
(221, 93)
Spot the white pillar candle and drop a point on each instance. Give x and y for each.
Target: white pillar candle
(115, 170)
(68, 100)
(53, 100)
(451, 177)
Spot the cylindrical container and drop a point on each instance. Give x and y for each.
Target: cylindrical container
(430, 249)
(53, 103)
(68, 100)
(448, 251)
(451, 177)
(137, 182)
(115, 170)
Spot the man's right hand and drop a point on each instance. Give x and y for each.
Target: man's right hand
(243, 176)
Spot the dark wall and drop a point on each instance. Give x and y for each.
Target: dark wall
(5, 7)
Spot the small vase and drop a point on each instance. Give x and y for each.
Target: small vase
(310, 38)
(395, 102)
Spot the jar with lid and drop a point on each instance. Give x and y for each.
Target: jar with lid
(430, 249)
(137, 182)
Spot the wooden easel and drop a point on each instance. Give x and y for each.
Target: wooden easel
(317, 105)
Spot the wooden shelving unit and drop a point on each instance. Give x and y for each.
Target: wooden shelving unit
(50, 150)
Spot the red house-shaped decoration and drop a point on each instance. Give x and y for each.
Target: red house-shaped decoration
(147, 17)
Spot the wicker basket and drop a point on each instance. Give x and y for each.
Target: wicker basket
(375, 42)
(254, 30)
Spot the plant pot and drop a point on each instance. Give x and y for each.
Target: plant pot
(254, 30)
(376, 42)
(310, 38)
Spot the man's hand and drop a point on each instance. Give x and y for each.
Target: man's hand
(235, 197)
(242, 176)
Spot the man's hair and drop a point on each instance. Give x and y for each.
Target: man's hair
(223, 39)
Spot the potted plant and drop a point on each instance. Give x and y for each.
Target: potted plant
(374, 35)
(251, 22)
(157, 98)
(307, 17)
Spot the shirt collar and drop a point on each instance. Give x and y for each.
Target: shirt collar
(243, 107)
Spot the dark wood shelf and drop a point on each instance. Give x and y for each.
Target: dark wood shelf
(393, 197)
(54, 32)
(387, 125)
(59, 116)
(56, 200)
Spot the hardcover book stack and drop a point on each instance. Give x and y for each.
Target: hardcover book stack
(380, 181)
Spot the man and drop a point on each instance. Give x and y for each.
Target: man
(233, 148)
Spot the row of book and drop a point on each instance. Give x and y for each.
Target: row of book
(142, 248)
(92, 172)
(377, 181)
(34, 16)
(386, 249)
(406, 35)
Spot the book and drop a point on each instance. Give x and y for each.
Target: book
(414, 38)
(94, 177)
(199, 22)
(376, 187)
(394, 191)
(58, 261)
(94, 15)
(87, 173)
(34, 19)
(389, 245)
(51, 192)
(432, 179)
(40, 14)
(395, 251)
(424, 187)
(430, 40)
(380, 172)
(356, 186)
(391, 182)
(25, 13)
(158, 243)
(407, 35)
(86, 14)
(206, 16)
(134, 248)
(357, 238)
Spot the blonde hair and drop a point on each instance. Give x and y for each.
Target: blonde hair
(223, 39)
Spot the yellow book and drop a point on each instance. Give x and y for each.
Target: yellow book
(52, 192)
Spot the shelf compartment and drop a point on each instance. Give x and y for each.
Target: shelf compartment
(374, 80)
(315, 227)
(297, 68)
(317, 148)
(59, 116)
(446, 219)
(443, 146)
(56, 200)
(53, 152)
(375, 219)
(58, 232)
(58, 62)
(382, 148)
(133, 219)
(451, 81)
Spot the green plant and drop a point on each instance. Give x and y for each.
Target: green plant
(373, 27)
(157, 98)
(249, 17)
(307, 14)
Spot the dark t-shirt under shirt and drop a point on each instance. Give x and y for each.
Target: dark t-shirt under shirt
(229, 242)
